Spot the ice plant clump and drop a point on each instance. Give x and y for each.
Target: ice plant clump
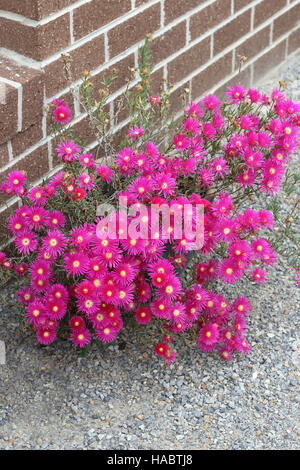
(219, 158)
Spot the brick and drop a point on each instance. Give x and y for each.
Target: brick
(34, 9)
(286, 22)
(8, 112)
(87, 57)
(176, 8)
(254, 45)
(239, 4)
(269, 60)
(209, 17)
(294, 41)
(51, 6)
(32, 82)
(190, 60)
(139, 3)
(134, 30)
(213, 74)
(266, 9)
(35, 165)
(231, 32)
(28, 8)
(168, 43)
(35, 42)
(157, 81)
(26, 139)
(96, 14)
(4, 156)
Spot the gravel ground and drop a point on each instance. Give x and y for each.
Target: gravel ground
(118, 398)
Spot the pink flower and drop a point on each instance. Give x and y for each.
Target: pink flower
(208, 335)
(155, 100)
(68, 151)
(135, 132)
(26, 242)
(87, 160)
(54, 242)
(259, 275)
(143, 315)
(105, 173)
(236, 94)
(220, 167)
(46, 335)
(81, 338)
(77, 323)
(181, 142)
(62, 114)
(165, 184)
(194, 109)
(211, 102)
(76, 264)
(16, 181)
(35, 312)
(106, 334)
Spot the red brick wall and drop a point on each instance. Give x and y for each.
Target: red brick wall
(196, 44)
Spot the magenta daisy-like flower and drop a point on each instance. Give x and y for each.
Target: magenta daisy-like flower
(80, 237)
(211, 102)
(56, 309)
(87, 160)
(241, 305)
(37, 217)
(26, 242)
(76, 264)
(209, 335)
(172, 288)
(105, 173)
(236, 94)
(35, 312)
(81, 338)
(16, 181)
(220, 167)
(226, 353)
(85, 181)
(77, 323)
(124, 273)
(54, 242)
(181, 142)
(16, 224)
(25, 295)
(106, 334)
(58, 291)
(55, 219)
(227, 229)
(259, 275)
(68, 151)
(223, 206)
(38, 195)
(46, 335)
(229, 270)
(143, 315)
(141, 187)
(135, 132)
(177, 312)
(40, 269)
(62, 114)
(165, 184)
